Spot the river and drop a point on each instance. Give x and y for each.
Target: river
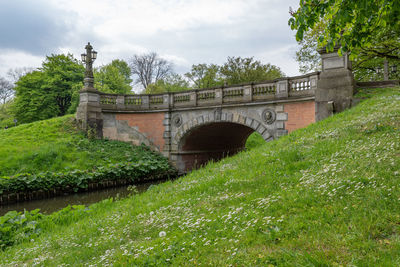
(50, 205)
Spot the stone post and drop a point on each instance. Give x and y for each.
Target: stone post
(247, 93)
(120, 102)
(88, 114)
(314, 82)
(282, 89)
(219, 95)
(335, 85)
(193, 98)
(167, 134)
(145, 102)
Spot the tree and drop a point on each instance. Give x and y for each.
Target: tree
(33, 101)
(47, 92)
(6, 90)
(243, 70)
(6, 117)
(172, 83)
(307, 56)
(351, 24)
(384, 49)
(383, 52)
(113, 78)
(62, 72)
(205, 76)
(17, 73)
(149, 68)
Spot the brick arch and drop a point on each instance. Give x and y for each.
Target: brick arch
(254, 124)
(214, 137)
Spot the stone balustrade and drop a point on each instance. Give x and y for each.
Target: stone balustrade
(288, 87)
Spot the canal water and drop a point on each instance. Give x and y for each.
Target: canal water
(50, 205)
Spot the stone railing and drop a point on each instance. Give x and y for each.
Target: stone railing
(301, 85)
(290, 87)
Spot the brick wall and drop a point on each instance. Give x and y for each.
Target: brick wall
(150, 124)
(300, 114)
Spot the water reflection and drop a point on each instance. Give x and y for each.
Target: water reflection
(50, 205)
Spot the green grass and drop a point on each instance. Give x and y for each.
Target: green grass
(254, 140)
(326, 195)
(56, 145)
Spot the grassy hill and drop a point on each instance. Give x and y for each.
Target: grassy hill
(326, 195)
(56, 145)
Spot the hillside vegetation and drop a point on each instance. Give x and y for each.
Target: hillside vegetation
(326, 195)
(56, 145)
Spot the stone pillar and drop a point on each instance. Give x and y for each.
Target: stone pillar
(145, 102)
(167, 134)
(386, 70)
(120, 102)
(282, 89)
(248, 93)
(335, 85)
(219, 95)
(88, 114)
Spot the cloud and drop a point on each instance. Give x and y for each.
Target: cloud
(34, 26)
(185, 32)
(12, 59)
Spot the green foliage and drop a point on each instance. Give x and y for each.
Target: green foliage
(56, 146)
(367, 60)
(307, 56)
(144, 169)
(6, 116)
(53, 154)
(385, 46)
(254, 140)
(326, 195)
(62, 73)
(113, 78)
(245, 70)
(350, 24)
(205, 76)
(47, 92)
(32, 102)
(172, 83)
(235, 71)
(17, 226)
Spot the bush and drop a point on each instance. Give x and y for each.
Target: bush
(79, 179)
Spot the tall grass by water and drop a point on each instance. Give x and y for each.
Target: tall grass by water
(326, 195)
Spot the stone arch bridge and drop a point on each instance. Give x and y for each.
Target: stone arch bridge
(193, 127)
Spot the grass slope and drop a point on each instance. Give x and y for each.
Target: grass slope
(326, 195)
(56, 145)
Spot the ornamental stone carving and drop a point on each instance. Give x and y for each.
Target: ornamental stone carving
(177, 120)
(269, 116)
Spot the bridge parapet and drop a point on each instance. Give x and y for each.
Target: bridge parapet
(288, 87)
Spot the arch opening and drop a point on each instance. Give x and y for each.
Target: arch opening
(212, 141)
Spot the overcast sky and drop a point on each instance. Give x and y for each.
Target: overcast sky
(185, 32)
